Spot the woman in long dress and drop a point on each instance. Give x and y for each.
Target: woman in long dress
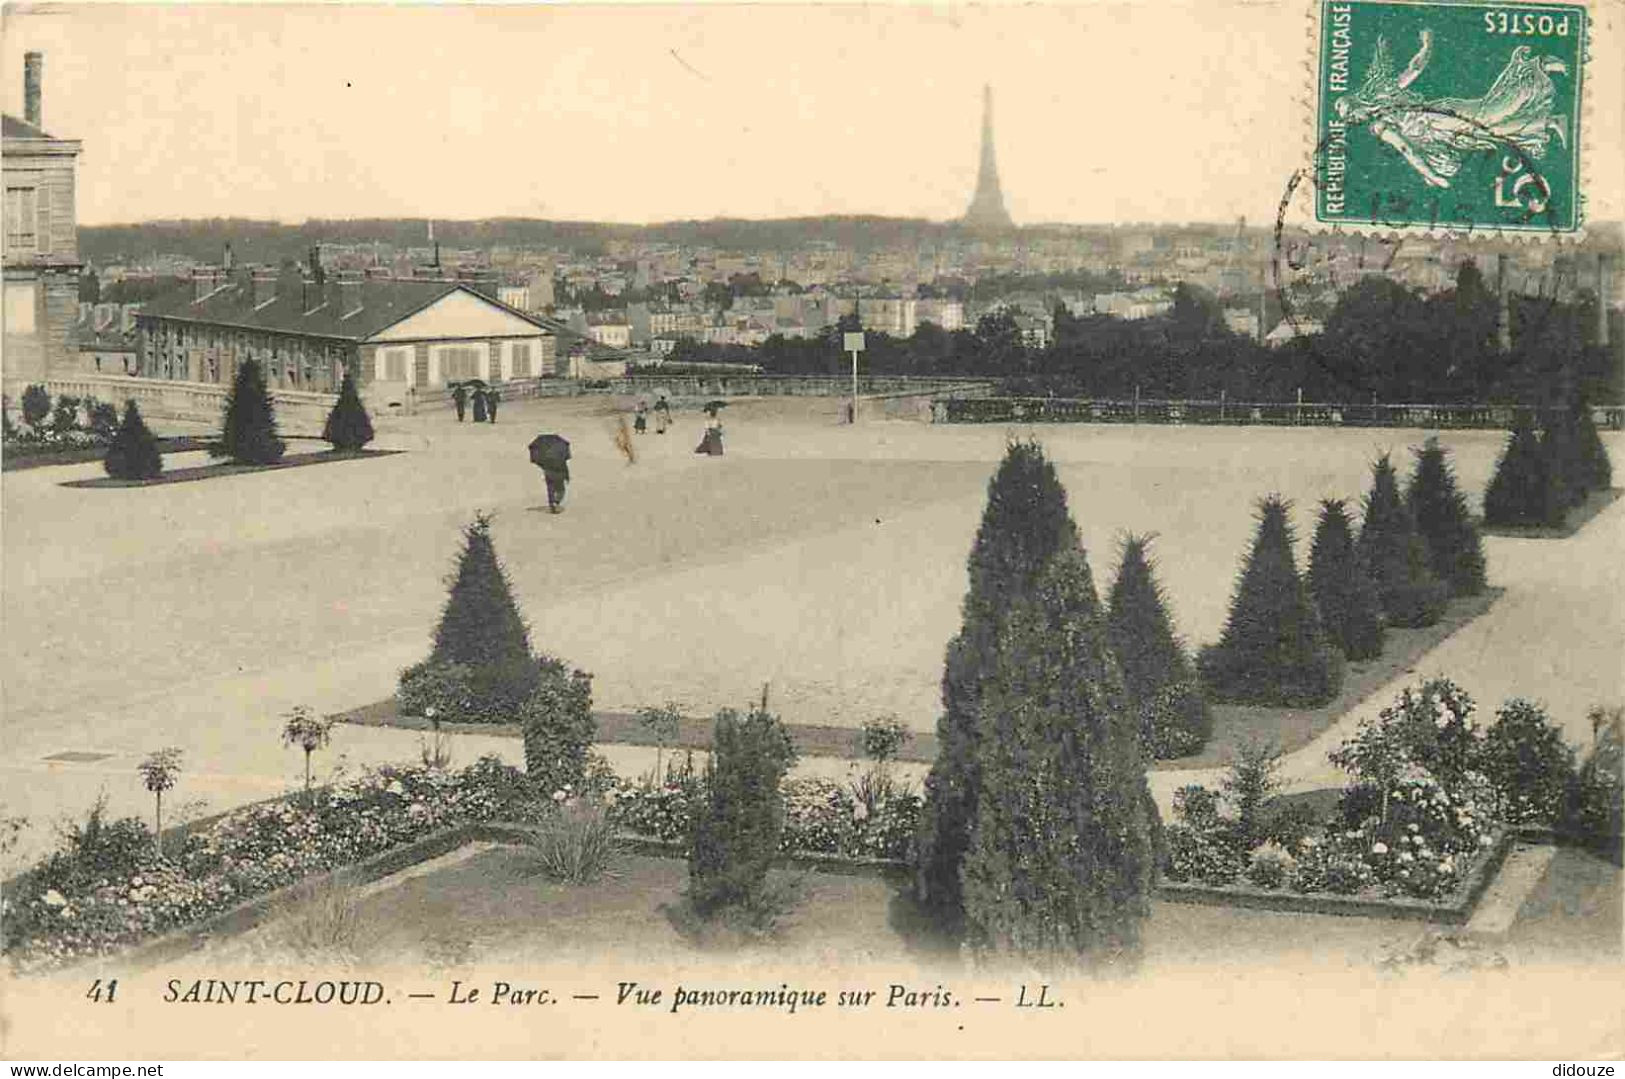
(711, 444)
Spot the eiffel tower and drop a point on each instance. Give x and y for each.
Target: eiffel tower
(986, 212)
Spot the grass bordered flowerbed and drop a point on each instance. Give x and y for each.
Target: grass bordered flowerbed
(1233, 724)
(26, 455)
(207, 472)
(109, 889)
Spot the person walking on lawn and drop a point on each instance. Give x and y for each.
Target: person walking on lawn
(492, 396)
(459, 400)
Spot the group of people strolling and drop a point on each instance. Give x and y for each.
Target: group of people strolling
(485, 400)
(640, 417)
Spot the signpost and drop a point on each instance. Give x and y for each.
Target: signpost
(854, 345)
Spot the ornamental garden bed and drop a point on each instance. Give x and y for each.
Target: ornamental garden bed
(1293, 728)
(208, 472)
(25, 455)
(1233, 724)
(1370, 901)
(1576, 519)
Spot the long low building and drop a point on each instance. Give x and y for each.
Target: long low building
(399, 336)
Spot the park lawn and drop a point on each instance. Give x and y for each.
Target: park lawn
(494, 907)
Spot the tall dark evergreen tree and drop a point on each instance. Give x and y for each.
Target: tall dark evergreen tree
(1396, 555)
(1560, 450)
(133, 453)
(1141, 634)
(1061, 863)
(1273, 650)
(1024, 524)
(248, 434)
(1345, 594)
(348, 426)
(1520, 492)
(1455, 552)
(482, 632)
(481, 622)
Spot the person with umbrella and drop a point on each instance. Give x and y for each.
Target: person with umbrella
(491, 399)
(479, 400)
(459, 399)
(551, 453)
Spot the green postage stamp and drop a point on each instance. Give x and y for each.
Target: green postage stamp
(1450, 116)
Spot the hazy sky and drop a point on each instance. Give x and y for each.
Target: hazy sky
(1152, 111)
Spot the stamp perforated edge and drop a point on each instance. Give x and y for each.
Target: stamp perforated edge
(1299, 214)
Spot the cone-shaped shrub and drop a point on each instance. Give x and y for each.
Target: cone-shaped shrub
(1455, 552)
(348, 426)
(1273, 650)
(1596, 469)
(1345, 595)
(1560, 450)
(481, 640)
(739, 824)
(133, 453)
(1520, 492)
(1062, 857)
(248, 434)
(1024, 524)
(1396, 555)
(1141, 634)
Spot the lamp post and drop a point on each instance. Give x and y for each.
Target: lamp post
(853, 343)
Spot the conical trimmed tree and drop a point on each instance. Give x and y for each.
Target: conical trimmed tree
(1595, 467)
(1024, 523)
(348, 427)
(248, 434)
(133, 453)
(1565, 473)
(1396, 555)
(1345, 595)
(1455, 551)
(1520, 493)
(1273, 650)
(1062, 856)
(482, 631)
(1141, 634)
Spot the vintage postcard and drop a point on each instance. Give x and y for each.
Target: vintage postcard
(1084, 531)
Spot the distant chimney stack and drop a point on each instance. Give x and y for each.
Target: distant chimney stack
(33, 69)
(265, 281)
(203, 282)
(349, 292)
(226, 260)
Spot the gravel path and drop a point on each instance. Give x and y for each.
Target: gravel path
(825, 561)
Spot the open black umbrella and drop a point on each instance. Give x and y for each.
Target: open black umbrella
(713, 407)
(549, 450)
(475, 383)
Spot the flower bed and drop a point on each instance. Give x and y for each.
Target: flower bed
(1419, 831)
(109, 889)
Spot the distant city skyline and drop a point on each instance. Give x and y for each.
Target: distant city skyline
(1149, 113)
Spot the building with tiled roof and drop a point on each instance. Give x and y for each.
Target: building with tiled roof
(400, 336)
(41, 239)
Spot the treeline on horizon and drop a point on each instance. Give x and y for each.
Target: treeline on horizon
(204, 240)
(1381, 341)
